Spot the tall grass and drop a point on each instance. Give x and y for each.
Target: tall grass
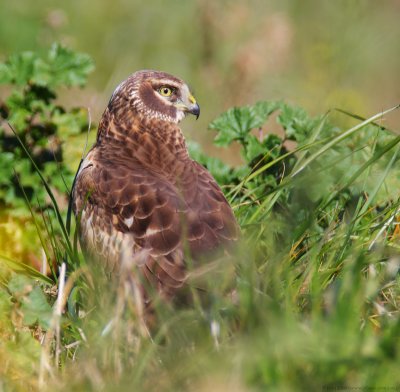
(309, 301)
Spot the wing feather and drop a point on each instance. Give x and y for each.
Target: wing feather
(131, 204)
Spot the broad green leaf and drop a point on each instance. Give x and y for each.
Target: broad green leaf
(20, 68)
(296, 123)
(67, 67)
(254, 148)
(61, 67)
(236, 123)
(35, 308)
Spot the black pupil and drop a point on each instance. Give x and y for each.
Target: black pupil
(166, 91)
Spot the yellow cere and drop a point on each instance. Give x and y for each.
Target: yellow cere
(165, 91)
(192, 99)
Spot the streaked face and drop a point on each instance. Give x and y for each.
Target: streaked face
(160, 95)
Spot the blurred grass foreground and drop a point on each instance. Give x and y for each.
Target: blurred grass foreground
(310, 301)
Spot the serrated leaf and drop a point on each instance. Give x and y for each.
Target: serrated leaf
(254, 148)
(67, 67)
(296, 122)
(232, 125)
(225, 137)
(20, 68)
(62, 67)
(236, 123)
(270, 145)
(263, 109)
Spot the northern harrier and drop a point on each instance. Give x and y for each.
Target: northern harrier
(139, 193)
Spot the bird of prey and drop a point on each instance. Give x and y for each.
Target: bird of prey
(139, 196)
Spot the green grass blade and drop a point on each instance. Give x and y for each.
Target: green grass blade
(339, 138)
(234, 192)
(361, 118)
(48, 190)
(364, 167)
(25, 269)
(35, 222)
(380, 182)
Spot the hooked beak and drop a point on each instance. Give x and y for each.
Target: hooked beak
(195, 110)
(189, 105)
(193, 106)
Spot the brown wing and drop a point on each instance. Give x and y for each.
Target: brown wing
(129, 205)
(210, 220)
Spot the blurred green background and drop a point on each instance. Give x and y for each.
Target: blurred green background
(316, 54)
(318, 293)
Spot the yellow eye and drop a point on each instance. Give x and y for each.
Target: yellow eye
(165, 91)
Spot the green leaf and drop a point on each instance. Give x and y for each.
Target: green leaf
(67, 67)
(61, 67)
(269, 147)
(19, 69)
(262, 110)
(35, 308)
(34, 305)
(36, 119)
(226, 135)
(70, 123)
(296, 123)
(236, 123)
(254, 148)
(6, 168)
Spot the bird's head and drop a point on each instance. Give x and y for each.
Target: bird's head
(156, 95)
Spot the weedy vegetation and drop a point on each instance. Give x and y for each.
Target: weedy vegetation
(309, 300)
